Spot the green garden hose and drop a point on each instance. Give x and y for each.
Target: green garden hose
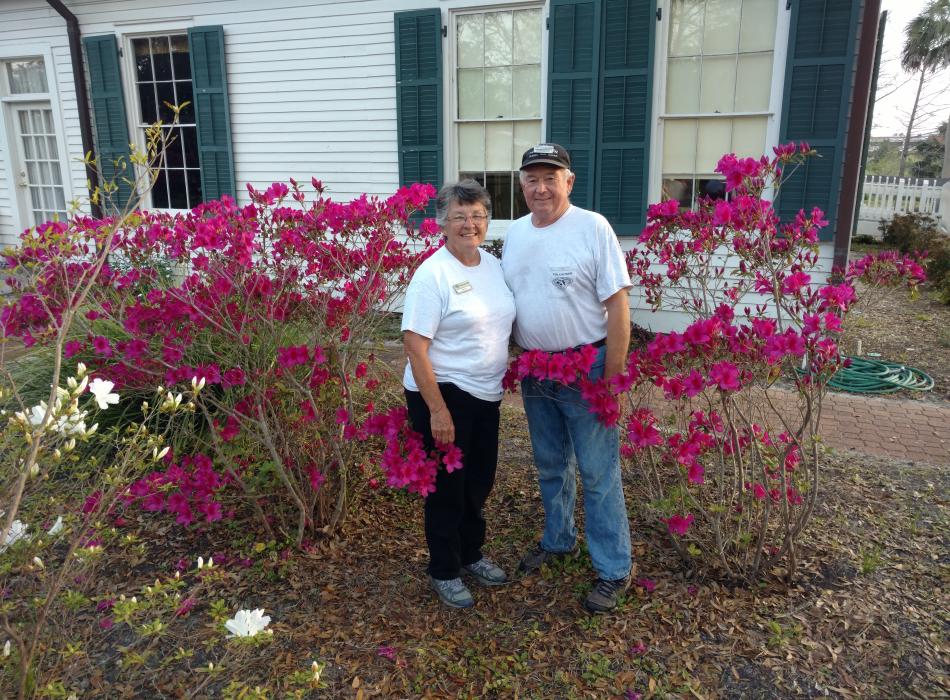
(866, 376)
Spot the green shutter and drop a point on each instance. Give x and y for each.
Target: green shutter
(573, 71)
(819, 75)
(108, 109)
(418, 38)
(623, 139)
(212, 112)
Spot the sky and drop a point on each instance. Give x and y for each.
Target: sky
(896, 89)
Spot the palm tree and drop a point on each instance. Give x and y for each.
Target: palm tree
(927, 49)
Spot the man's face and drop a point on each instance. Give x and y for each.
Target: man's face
(547, 190)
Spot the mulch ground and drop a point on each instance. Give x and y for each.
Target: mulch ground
(865, 618)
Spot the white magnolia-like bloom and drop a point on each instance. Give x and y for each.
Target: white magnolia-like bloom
(6, 648)
(17, 532)
(247, 623)
(37, 414)
(57, 527)
(102, 390)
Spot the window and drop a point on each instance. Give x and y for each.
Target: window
(718, 90)
(38, 172)
(497, 100)
(163, 78)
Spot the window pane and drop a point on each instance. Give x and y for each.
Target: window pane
(159, 191)
(147, 103)
(161, 58)
(185, 94)
(498, 138)
(471, 45)
(194, 186)
(57, 175)
(176, 188)
(714, 140)
(471, 93)
(174, 157)
(48, 121)
(189, 137)
(718, 85)
(36, 117)
(471, 147)
(526, 83)
(753, 82)
(24, 117)
(27, 76)
(166, 93)
(682, 92)
(748, 138)
(36, 201)
(527, 134)
(679, 146)
(143, 61)
(686, 27)
(721, 30)
(519, 206)
(46, 177)
(680, 189)
(497, 93)
(477, 177)
(41, 150)
(499, 187)
(29, 149)
(51, 148)
(527, 36)
(33, 173)
(711, 188)
(498, 28)
(757, 32)
(181, 64)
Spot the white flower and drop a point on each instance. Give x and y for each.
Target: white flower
(57, 527)
(37, 414)
(6, 648)
(39, 563)
(102, 390)
(247, 623)
(80, 370)
(17, 533)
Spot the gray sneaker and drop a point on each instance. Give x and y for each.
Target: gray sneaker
(487, 572)
(537, 556)
(452, 592)
(603, 596)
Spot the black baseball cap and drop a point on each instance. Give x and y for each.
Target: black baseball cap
(546, 154)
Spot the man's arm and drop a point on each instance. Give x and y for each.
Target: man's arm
(618, 333)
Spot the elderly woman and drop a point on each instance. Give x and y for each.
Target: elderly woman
(456, 323)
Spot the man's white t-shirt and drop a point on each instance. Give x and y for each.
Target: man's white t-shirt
(561, 275)
(467, 312)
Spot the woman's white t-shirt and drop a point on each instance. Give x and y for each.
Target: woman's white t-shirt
(467, 312)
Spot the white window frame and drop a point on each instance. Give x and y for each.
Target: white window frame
(496, 228)
(660, 59)
(45, 52)
(127, 31)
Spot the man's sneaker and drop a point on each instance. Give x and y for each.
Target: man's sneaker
(487, 572)
(536, 556)
(452, 592)
(603, 597)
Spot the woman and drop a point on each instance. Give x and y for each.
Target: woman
(456, 323)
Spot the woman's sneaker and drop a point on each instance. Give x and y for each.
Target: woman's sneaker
(487, 572)
(452, 592)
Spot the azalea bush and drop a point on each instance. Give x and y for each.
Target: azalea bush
(272, 306)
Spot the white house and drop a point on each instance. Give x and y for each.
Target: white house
(366, 95)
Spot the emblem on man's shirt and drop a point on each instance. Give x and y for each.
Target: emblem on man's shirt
(462, 287)
(562, 278)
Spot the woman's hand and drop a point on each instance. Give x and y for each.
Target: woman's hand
(443, 429)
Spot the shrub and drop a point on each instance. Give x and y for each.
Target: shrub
(910, 233)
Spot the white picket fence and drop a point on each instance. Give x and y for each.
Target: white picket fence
(884, 196)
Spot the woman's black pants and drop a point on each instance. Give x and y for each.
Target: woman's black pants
(454, 524)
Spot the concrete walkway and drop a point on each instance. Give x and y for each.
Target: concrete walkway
(918, 431)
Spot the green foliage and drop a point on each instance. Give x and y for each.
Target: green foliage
(918, 233)
(494, 246)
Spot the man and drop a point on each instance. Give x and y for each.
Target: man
(570, 281)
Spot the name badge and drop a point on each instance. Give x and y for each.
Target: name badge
(462, 287)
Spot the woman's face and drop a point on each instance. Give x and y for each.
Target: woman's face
(465, 228)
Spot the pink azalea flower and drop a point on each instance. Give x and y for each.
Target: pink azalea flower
(646, 584)
(679, 524)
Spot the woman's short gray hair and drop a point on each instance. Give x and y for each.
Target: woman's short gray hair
(464, 192)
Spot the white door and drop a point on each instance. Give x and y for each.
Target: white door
(37, 169)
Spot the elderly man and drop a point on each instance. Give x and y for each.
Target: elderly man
(568, 275)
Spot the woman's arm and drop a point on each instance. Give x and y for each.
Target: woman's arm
(417, 350)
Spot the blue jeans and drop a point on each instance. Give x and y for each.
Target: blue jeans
(562, 429)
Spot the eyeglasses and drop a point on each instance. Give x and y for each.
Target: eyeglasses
(459, 219)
